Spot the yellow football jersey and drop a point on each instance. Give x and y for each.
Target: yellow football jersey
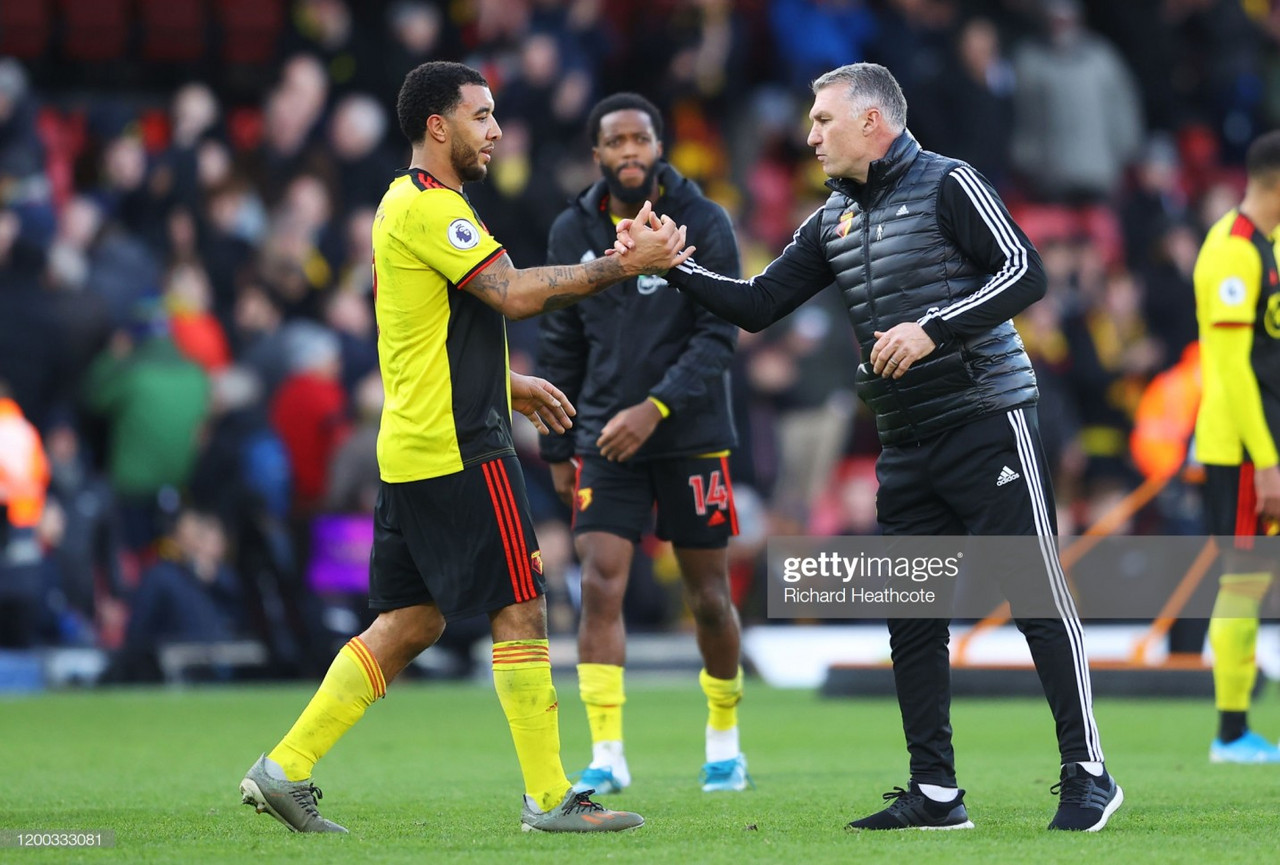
(1238, 288)
(442, 351)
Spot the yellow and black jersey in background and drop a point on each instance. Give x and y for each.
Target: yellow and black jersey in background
(1238, 307)
(442, 351)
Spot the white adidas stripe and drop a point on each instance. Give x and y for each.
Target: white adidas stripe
(1058, 582)
(1015, 253)
(691, 267)
(1057, 579)
(1016, 261)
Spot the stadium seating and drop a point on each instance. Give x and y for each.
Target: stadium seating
(25, 28)
(94, 30)
(250, 30)
(173, 31)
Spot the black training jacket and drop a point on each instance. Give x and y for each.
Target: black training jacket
(925, 239)
(641, 338)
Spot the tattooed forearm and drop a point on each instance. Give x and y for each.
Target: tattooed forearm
(518, 294)
(494, 281)
(599, 273)
(560, 301)
(605, 271)
(559, 275)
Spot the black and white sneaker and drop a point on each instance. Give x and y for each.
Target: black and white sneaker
(912, 809)
(1085, 802)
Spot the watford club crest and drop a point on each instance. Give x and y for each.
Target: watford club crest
(535, 559)
(584, 498)
(1271, 320)
(846, 222)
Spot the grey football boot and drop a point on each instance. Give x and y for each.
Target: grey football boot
(293, 803)
(577, 813)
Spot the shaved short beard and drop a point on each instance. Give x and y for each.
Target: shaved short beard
(466, 163)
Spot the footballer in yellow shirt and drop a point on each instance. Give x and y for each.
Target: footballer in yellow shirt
(1238, 306)
(452, 532)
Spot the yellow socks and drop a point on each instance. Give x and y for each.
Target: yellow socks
(353, 682)
(1233, 635)
(601, 689)
(602, 692)
(522, 678)
(723, 696)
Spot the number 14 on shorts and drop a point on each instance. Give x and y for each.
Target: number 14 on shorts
(714, 494)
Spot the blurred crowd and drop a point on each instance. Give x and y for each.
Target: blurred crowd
(186, 318)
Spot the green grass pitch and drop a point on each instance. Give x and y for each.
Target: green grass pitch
(430, 776)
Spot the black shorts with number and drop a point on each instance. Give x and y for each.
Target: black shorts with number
(694, 498)
(1230, 503)
(463, 542)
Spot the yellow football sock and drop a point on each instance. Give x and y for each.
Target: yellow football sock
(522, 678)
(723, 697)
(353, 682)
(1233, 634)
(601, 689)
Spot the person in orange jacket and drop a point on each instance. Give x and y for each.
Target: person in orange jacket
(24, 478)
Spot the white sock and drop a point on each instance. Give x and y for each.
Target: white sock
(275, 770)
(722, 744)
(939, 794)
(609, 755)
(1093, 768)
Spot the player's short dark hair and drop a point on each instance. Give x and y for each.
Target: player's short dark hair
(1263, 156)
(621, 102)
(432, 88)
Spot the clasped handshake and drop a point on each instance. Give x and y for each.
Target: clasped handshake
(651, 243)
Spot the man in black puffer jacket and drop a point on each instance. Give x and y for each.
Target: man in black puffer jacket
(932, 269)
(648, 370)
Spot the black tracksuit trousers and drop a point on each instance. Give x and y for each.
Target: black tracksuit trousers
(950, 484)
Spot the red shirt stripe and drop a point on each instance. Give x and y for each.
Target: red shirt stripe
(493, 256)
